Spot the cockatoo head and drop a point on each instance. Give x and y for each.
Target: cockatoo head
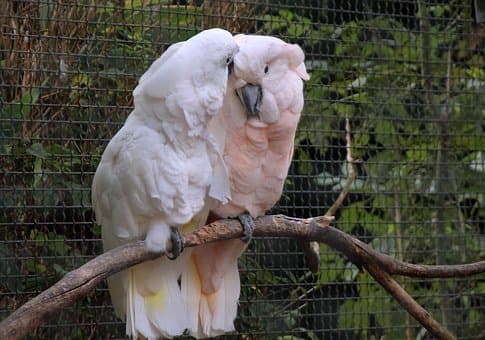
(214, 50)
(190, 77)
(267, 74)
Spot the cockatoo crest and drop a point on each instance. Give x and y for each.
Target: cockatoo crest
(188, 74)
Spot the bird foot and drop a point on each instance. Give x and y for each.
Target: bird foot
(248, 227)
(178, 243)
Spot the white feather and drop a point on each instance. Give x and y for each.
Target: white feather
(220, 187)
(155, 174)
(191, 293)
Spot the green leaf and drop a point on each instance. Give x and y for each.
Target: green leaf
(18, 110)
(327, 179)
(386, 245)
(38, 173)
(34, 267)
(331, 265)
(59, 270)
(354, 314)
(38, 151)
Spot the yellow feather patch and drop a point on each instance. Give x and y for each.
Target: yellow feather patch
(189, 227)
(155, 301)
(196, 221)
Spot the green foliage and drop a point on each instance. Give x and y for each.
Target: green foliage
(375, 78)
(265, 315)
(18, 110)
(373, 303)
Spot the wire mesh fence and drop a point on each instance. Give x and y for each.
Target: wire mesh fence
(409, 75)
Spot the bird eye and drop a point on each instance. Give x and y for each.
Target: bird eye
(228, 60)
(230, 66)
(266, 69)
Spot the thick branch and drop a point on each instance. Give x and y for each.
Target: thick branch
(79, 282)
(405, 300)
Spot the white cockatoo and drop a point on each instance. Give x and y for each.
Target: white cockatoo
(159, 172)
(261, 111)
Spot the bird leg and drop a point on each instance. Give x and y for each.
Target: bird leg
(178, 243)
(248, 226)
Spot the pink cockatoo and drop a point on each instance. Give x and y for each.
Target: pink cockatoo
(260, 114)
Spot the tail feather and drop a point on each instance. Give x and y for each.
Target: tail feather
(118, 286)
(211, 314)
(205, 315)
(128, 304)
(148, 297)
(137, 322)
(166, 310)
(232, 285)
(191, 294)
(223, 303)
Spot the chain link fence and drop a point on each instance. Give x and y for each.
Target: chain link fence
(409, 75)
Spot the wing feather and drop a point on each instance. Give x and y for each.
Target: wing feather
(138, 179)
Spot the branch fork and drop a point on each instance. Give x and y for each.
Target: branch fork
(79, 282)
(310, 232)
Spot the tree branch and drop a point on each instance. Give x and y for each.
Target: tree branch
(81, 281)
(405, 300)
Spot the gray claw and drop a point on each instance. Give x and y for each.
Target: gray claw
(248, 227)
(178, 243)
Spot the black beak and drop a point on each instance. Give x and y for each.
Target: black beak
(251, 96)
